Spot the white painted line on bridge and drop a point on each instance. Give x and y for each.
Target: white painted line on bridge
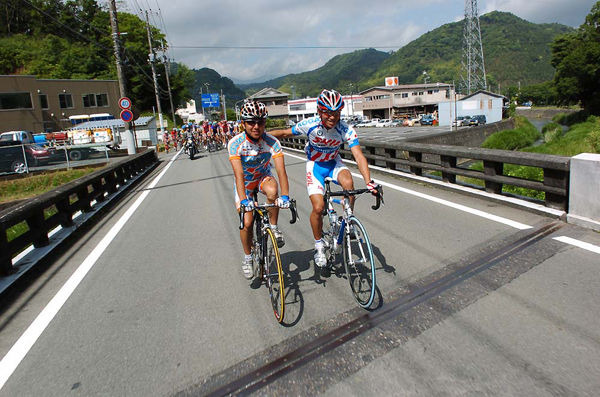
(460, 207)
(19, 350)
(578, 243)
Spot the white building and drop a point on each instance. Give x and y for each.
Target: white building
(188, 113)
(481, 102)
(299, 109)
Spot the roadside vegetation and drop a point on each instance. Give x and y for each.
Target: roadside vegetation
(34, 185)
(524, 134)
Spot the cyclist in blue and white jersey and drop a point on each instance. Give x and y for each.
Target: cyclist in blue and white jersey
(326, 134)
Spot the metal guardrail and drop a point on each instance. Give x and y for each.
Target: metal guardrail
(417, 158)
(45, 212)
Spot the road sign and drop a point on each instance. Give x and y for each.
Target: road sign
(210, 101)
(124, 103)
(126, 115)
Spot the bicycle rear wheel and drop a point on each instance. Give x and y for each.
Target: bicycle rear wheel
(273, 275)
(359, 263)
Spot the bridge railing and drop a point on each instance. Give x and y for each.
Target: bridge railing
(40, 215)
(452, 161)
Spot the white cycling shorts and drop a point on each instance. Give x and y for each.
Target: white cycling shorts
(316, 172)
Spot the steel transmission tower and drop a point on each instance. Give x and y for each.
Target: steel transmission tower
(473, 66)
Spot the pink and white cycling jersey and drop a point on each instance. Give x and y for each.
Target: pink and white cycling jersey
(324, 144)
(255, 157)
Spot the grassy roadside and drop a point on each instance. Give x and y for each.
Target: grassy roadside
(581, 137)
(34, 185)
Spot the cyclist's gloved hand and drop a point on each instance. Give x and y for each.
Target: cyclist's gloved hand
(373, 187)
(247, 204)
(283, 201)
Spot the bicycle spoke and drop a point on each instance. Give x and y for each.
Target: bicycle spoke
(359, 264)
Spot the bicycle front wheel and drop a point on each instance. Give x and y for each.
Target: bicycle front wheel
(273, 275)
(359, 263)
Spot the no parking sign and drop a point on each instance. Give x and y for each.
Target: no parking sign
(126, 115)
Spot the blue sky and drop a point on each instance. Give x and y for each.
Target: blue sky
(376, 23)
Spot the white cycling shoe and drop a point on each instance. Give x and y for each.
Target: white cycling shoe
(320, 257)
(247, 268)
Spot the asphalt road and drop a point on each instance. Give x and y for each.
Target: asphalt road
(165, 310)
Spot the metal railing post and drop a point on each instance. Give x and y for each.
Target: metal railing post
(25, 157)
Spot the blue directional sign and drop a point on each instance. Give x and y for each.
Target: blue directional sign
(210, 101)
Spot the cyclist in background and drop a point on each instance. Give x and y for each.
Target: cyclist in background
(250, 154)
(326, 134)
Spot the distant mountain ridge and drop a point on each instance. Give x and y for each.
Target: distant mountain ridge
(515, 50)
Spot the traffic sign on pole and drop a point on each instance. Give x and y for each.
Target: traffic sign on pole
(126, 115)
(124, 103)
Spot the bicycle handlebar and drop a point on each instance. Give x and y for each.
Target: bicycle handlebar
(292, 208)
(346, 193)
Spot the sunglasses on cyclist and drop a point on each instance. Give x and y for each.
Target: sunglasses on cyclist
(254, 122)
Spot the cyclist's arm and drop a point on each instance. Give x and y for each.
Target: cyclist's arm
(238, 173)
(361, 162)
(282, 175)
(281, 133)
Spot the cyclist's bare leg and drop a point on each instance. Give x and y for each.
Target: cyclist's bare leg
(270, 189)
(246, 233)
(346, 182)
(316, 216)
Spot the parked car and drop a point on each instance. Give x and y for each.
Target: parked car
(478, 119)
(427, 120)
(396, 123)
(11, 156)
(383, 123)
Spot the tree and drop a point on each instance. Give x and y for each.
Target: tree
(576, 58)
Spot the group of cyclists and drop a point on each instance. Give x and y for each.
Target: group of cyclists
(252, 150)
(216, 133)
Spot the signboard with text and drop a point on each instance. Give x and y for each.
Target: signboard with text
(210, 101)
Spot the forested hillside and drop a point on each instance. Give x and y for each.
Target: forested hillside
(515, 51)
(72, 40)
(339, 72)
(216, 83)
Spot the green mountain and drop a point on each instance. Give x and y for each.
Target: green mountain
(216, 83)
(339, 72)
(515, 50)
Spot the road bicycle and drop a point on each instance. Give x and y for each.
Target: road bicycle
(265, 254)
(346, 233)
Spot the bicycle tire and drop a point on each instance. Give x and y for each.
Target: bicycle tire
(273, 275)
(361, 269)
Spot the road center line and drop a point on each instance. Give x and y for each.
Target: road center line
(447, 203)
(20, 349)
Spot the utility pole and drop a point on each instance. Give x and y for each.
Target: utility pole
(168, 72)
(120, 75)
(152, 58)
(224, 105)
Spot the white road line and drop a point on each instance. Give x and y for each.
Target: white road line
(447, 203)
(578, 243)
(20, 349)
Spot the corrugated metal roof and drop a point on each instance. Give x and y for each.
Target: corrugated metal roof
(114, 123)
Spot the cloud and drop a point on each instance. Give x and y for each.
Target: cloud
(352, 23)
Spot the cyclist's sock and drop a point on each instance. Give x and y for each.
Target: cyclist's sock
(319, 243)
(248, 257)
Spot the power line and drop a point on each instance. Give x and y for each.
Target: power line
(226, 47)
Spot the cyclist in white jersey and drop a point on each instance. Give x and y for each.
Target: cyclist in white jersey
(326, 134)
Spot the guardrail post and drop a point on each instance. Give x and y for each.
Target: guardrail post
(493, 168)
(5, 259)
(448, 162)
(415, 157)
(66, 215)
(111, 182)
(557, 178)
(98, 190)
(83, 196)
(390, 153)
(37, 227)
